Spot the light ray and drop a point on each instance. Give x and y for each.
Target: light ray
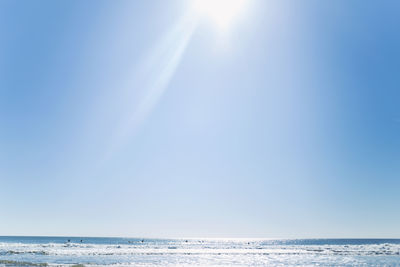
(154, 77)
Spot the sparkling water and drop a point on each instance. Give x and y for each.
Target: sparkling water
(69, 251)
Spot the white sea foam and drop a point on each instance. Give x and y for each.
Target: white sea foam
(202, 253)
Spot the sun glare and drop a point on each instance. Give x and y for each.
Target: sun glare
(222, 12)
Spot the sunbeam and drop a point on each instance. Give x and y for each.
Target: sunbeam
(154, 77)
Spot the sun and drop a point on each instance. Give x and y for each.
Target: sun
(222, 12)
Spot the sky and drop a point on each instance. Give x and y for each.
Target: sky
(152, 119)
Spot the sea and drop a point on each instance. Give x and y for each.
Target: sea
(98, 251)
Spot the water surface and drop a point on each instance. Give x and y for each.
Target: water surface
(68, 251)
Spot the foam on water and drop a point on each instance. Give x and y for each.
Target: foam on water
(198, 252)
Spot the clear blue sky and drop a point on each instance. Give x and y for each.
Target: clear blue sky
(126, 118)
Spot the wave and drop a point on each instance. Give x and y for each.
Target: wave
(21, 263)
(172, 253)
(33, 264)
(13, 252)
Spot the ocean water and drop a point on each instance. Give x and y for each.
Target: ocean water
(69, 251)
